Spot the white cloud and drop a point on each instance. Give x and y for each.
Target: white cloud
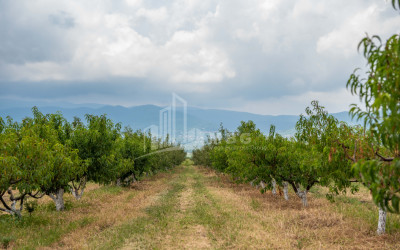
(266, 55)
(37, 71)
(134, 3)
(344, 39)
(154, 15)
(197, 61)
(333, 101)
(107, 45)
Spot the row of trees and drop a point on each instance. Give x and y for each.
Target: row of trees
(318, 154)
(324, 151)
(47, 155)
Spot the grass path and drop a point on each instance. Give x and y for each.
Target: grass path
(201, 210)
(187, 216)
(195, 208)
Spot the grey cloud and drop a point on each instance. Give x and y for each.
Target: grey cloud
(62, 19)
(273, 52)
(25, 37)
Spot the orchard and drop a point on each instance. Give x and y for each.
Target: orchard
(45, 155)
(324, 151)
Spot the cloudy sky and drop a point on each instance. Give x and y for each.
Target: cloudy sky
(260, 56)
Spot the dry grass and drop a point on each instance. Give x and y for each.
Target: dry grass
(185, 199)
(184, 232)
(178, 228)
(100, 208)
(111, 211)
(195, 208)
(285, 224)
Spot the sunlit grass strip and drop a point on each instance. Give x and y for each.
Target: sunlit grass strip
(143, 231)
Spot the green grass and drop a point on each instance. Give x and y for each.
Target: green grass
(187, 162)
(166, 219)
(41, 229)
(209, 211)
(130, 196)
(367, 211)
(143, 229)
(45, 226)
(255, 204)
(5, 241)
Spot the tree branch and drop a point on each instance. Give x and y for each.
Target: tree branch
(384, 158)
(4, 210)
(355, 150)
(12, 198)
(15, 182)
(52, 196)
(35, 195)
(293, 186)
(345, 148)
(311, 185)
(4, 203)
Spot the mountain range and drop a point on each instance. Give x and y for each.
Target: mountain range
(200, 122)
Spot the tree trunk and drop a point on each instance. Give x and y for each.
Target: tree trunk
(262, 184)
(118, 182)
(286, 190)
(128, 180)
(134, 178)
(14, 210)
(381, 222)
(302, 195)
(58, 199)
(304, 198)
(76, 193)
(81, 188)
(273, 187)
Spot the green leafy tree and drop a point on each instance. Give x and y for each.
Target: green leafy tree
(322, 161)
(380, 92)
(31, 165)
(135, 148)
(64, 163)
(272, 161)
(95, 143)
(12, 171)
(218, 154)
(201, 156)
(165, 155)
(242, 151)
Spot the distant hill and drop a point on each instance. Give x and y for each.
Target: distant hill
(199, 121)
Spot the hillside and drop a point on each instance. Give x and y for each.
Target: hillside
(200, 122)
(140, 117)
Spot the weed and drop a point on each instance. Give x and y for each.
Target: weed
(255, 204)
(6, 240)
